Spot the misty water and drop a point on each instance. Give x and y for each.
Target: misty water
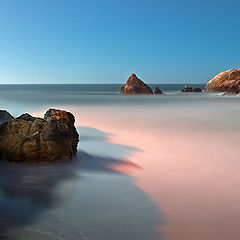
(148, 167)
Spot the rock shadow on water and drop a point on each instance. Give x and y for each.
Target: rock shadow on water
(28, 190)
(98, 153)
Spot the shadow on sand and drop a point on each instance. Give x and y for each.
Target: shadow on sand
(29, 190)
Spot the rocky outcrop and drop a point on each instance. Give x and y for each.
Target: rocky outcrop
(5, 116)
(157, 90)
(135, 86)
(228, 81)
(28, 138)
(190, 89)
(232, 91)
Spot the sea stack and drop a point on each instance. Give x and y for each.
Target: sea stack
(157, 90)
(135, 86)
(190, 89)
(28, 138)
(228, 82)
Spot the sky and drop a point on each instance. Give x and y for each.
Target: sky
(104, 41)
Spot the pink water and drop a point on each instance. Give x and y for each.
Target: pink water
(187, 163)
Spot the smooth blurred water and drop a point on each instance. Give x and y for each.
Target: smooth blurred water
(21, 98)
(89, 198)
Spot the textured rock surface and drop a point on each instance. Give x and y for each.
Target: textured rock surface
(157, 90)
(5, 116)
(228, 81)
(135, 86)
(190, 89)
(27, 138)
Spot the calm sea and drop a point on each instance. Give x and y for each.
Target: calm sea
(148, 167)
(25, 98)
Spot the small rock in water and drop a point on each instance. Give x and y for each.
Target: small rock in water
(157, 90)
(190, 89)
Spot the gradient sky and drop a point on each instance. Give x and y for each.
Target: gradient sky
(104, 41)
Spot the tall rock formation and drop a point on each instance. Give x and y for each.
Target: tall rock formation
(135, 86)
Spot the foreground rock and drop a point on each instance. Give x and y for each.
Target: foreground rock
(135, 86)
(5, 116)
(27, 138)
(228, 82)
(157, 90)
(190, 89)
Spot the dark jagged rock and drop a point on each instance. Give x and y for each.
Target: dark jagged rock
(135, 86)
(228, 82)
(190, 89)
(157, 90)
(233, 90)
(5, 116)
(186, 89)
(197, 90)
(28, 138)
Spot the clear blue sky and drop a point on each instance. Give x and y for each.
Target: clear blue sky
(104, 41)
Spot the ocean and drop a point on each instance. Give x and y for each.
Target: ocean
(148, 167)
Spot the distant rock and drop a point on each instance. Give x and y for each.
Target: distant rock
(190, 89)
(157, 90)
(228, 82)
(28, 138)
(135, 86)
(5, 116)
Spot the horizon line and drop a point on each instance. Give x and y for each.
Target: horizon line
(89, 83)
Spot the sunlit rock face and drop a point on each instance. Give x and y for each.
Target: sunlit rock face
(135, 86)
(27, 138)
(190, 89)
(228, 81)
(5, 116)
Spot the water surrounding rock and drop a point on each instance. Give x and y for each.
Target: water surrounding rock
(157, 90)
(190, 89)
(135, 86)
(28, 138)
(5, 116)
(228, 82)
